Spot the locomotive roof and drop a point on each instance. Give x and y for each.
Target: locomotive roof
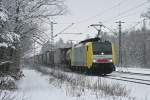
(93, 40)
(90, 40)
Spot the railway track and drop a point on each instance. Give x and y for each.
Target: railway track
(129, 79)
(123, 77)
(142, 74)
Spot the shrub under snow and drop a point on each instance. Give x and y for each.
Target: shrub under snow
(7, 83)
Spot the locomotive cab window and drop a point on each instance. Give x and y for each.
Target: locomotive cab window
(99, 47)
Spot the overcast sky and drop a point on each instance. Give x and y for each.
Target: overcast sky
(86, 12)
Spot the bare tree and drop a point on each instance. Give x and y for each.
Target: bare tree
(23, 12)
(24, 17)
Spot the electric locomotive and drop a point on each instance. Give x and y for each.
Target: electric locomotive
(93, 55)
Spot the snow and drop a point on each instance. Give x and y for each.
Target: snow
(142, 77)
(37, 86)
(7, 79)
(6, 45)
(137, 91)
(4, 62)
(15, 36)
(13, 47)
(133, 70)
(3, 16)
(3, 44)
(11, 36)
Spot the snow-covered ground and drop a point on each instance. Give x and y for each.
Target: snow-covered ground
(138, 91)
(133, 70)
(38, 86)
(35, 86)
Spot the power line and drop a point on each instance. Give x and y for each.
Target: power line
(37, 41)
(38, 38)
(133, 8)
(123, 17)
(122, 13)
(139, 22)
(61, 32)
(30, 51)
(101, 13)
(47, 22)
(111, 30)
(129, 10)
(44, 34)
(64, 30)
(73, 33)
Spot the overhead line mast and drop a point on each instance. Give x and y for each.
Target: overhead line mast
(52, 35)
(120, 43)
(144, 43)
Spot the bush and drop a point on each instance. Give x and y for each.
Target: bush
(7, 83)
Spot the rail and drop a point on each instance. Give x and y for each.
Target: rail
(131, 73)
(129, 79)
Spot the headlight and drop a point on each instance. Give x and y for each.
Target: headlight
(94, 61)
(110, 60)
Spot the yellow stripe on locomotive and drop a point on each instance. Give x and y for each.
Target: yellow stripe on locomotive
(89, 55)
(113, 54)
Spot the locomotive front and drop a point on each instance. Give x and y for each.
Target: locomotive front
(103, 57)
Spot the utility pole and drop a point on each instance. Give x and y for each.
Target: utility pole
(98, 27)
(34, 60)
(120, 43)
(144, 43)
(52, 34)
(52, 41)
(0, 3)
(71, 41)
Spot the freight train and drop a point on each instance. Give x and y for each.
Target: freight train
(91, 55)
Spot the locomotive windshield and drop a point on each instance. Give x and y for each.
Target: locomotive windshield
(99, 47)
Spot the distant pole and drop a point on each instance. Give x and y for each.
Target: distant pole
(71, 41)
(0, 3)
(120, 43)
(34, 54)
(52, 35)
(144, 43)
(99, 31)
(52, 41)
